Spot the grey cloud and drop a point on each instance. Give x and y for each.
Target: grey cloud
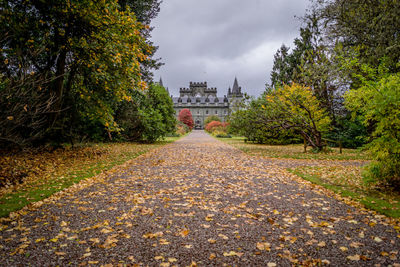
(216, 40)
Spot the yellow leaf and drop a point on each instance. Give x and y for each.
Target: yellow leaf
(184, 232)
(263, 246)
(172, 260)
(232, 253)
(354, 257)
(212, 241)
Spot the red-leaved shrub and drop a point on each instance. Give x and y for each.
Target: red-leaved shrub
(212, 125)
(185, 116)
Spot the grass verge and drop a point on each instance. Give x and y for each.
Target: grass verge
(46, 173)
(295, 151)
(384, 202)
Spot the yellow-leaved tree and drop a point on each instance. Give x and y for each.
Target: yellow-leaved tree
(294, 107)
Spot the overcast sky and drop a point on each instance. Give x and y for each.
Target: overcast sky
(216, 40)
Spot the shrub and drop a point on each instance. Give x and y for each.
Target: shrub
(211, 118)
(378, 101)
(185, 116)
(212, 125)
(181, 129)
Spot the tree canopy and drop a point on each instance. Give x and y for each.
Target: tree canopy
(68, 66)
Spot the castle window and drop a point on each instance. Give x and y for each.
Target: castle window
(206, 111)
(216, 112)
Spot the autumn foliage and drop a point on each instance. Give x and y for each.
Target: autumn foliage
(185, 116)
(212, 125)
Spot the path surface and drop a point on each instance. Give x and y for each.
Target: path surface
(197, 201)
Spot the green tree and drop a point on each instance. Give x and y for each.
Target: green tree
(255, 122)
(378, 100)
(84, 55)
(370, 27)
(148, 117)
(282, 70)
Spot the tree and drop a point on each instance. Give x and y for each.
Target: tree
(378, 100)
(145, 11)
(84, 56)
(185, 116)
(369, 27)
(282, 70)
(255, 122)
(148, 117)
(295, 108)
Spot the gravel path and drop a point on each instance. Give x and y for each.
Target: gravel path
(198, 202)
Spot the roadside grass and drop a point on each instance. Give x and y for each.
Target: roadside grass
(340, 178)
(45, 173)
(347, 181)
(295, 151)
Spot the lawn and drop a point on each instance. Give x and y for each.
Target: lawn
(295, 151)
(43, 173)
(333, 172)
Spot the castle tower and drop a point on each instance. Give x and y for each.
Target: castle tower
(236, 90)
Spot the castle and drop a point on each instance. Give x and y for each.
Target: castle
(204, 102)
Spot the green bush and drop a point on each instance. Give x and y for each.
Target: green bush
(378, 100)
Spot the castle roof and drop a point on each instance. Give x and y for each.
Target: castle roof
(236, 88)
(211, 100)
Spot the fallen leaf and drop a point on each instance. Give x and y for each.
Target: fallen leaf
(223, 236)
(172, 260)
(263, 246)
(354, 257)
(232, 253)
(183, 232)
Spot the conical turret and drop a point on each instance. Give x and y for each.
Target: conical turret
(236, 90)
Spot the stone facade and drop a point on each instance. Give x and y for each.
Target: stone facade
(204, 102)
